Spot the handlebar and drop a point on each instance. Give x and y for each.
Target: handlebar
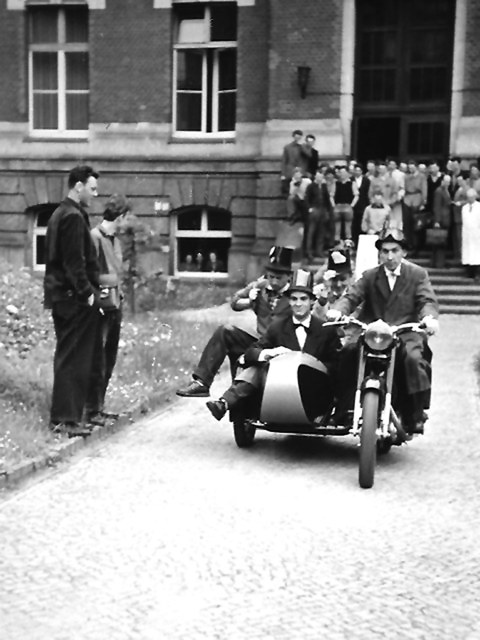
(418, 327)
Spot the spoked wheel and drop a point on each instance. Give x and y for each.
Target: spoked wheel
(244, 433)
(368, 440)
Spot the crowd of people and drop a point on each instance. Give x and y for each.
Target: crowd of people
(435, 206)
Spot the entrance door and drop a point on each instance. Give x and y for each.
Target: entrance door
(403, 75)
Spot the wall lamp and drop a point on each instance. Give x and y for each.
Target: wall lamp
(303, 76)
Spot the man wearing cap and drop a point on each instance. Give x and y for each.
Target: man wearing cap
(396, 291)
(299, 331)
(265, 297)
(109, 252)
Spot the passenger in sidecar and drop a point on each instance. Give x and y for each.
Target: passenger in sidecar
(303, 345)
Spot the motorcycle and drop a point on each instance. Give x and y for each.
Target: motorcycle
(298, 397)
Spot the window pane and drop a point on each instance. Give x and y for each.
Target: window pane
(45, 71)
(189, 112)
(43, 25)
(77, 111)
(77, 70)
(189, 220)
(76, 19)
(227, 69)
(194, 254)
(219, 220)
(377, 85)
(224, 21)
(226, 111)
(428, 84)
(40, 249)
(426, 138)
(45, 111)
(378, 13)
(428, 47)
(378, 47)
(189, 70)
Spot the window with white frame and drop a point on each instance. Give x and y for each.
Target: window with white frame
(41, 215)
(202, 241)
(205, 69)
(58, 70)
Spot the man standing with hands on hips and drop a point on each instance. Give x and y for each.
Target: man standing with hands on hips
(71, 292)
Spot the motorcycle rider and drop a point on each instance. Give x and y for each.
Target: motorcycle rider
(265, 297)
(397, 291)
(300, 331)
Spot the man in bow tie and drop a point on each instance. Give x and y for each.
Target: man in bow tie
(397, 291)
(299, 332)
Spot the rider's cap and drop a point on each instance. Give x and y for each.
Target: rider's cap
(392, 235)
(116, 206)
(280, 259)
(339, 261)
(302, 280)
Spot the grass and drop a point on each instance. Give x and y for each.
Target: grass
(157, 351)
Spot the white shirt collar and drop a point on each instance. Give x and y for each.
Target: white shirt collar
(395, 272)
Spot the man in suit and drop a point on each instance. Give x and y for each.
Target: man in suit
(396, 291)
(265, 297)
(363, 187)
(71, 291)
(310, 155)
(301, 331)
(292, 157)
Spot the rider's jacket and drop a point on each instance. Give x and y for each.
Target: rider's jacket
(411, 299)
(268, 306)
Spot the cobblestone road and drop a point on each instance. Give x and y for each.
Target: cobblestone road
(168, 531)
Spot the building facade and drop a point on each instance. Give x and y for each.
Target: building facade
(185, 106)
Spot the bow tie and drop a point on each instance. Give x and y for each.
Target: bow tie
(301, 324)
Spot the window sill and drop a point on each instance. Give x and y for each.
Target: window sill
(205, 139)
(54, 138)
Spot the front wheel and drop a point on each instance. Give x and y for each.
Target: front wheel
(244, 433)
(368, 440)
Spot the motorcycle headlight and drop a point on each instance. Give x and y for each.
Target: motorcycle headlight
(379, 335)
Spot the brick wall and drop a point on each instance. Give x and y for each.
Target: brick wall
(13, 72)
(471, 95)
(130, 63)
(305, 33)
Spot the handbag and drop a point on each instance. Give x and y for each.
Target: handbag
(436, 237)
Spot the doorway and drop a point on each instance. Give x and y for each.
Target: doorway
(403, 76)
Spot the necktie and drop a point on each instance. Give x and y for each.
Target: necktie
(272, 299)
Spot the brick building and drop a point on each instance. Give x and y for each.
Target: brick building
(185, 106)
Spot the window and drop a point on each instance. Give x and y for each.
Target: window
(58, 70)
(41, 215)
(203, 237)
(205, 69)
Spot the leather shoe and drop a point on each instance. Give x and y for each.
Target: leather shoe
(96, 419)
(417, 427)
(195, 389)
(218, 408)
(71, 429)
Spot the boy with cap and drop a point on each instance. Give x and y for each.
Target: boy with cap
(300, 331)
(265, 297)
(397, 291)
(109, 253)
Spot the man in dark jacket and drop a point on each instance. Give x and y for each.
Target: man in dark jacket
(397, 291)
(265, 297)
(71, 292)
(301, 331)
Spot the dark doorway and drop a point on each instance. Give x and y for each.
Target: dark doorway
(403, 75)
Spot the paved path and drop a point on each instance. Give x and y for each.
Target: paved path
(168, 531)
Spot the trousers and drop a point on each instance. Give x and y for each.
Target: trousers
(75, 327)
(104, 358)
(226, 340)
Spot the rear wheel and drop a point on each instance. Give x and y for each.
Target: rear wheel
(368, 440)
(244, 433)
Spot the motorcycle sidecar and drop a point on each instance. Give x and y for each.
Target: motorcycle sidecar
(297, 399)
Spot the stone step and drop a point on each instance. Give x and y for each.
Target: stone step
(461, 310)
(460, 288)
(459, 299)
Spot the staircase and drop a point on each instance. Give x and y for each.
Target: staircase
(456, 293)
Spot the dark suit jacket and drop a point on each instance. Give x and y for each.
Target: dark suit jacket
(291, 158)
(322, 342)
(412, 297)
(363, 199)
(261, 308)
